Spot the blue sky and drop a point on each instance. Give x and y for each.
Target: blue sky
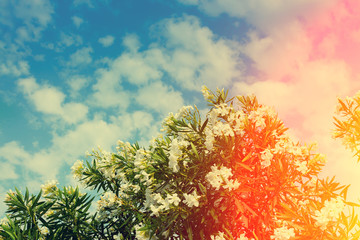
(79, 74)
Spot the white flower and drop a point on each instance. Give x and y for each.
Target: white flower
(44, 230)
(258, 116)
(221, 128)
(7, 197)
(157, 204)
(4, 221)
(222, 109)
(301, 166)
(139, 159)
(231, 184)
(242, 237)
(206, 93)
(266, 157)
(155, 210)
(182, 111)
(303, 203)
(191, 199)
(77, 169)
(209, 140)
(321, 158)
(283, 144)
(237, 119)
(283, 233)
(329, 212)
(312, 182)
(49, 187)
(220, 236)
(118, 237)
(212, 117)
(173, 199)
(109, 172)
(141, 234)
(218, 177)
(214, 179)
(175, 152)
(108, 206)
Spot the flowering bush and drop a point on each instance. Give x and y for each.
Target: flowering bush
(234, 175)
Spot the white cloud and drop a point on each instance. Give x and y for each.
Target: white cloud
(28, 85)
(26, 34)
(7, 171)
(86, 2)
(188, 53)
(66, 148)
(14, 68)
(35, 16)
(78, 21)
(49, 100)
(94, 133)
(135, 69)
(127, 67)
(104, 97)
(81, 57)
(108, 91)
(39, 57)
(107, 41)
(38, 11)
(194, 56)
(77, 83)
(131, 42)
(74, 112)
(277, 54)
(261, 13)
(160, 98)
(190, 2)
(14, 153)
(5, 14)
(67, 40)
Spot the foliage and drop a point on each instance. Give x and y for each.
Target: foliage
(55, 214)
(347, 123)
(235, 175)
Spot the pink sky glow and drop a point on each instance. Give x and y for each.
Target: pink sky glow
(305, 63)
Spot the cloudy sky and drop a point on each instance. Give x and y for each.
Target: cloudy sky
(79, 74)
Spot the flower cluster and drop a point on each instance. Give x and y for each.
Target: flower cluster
(331, 210)
(259, 116)
(192, 199)
(219, 236)
(77, 169)
(218, 177)
(266, 158)
(157, 204)
(175, 153)
(49, 187)
(108, 206)
(283, 233)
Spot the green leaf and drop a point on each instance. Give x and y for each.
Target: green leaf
(195, 151)
(202, 188)
(203, 126)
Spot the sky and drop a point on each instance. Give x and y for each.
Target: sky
(75, 75)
